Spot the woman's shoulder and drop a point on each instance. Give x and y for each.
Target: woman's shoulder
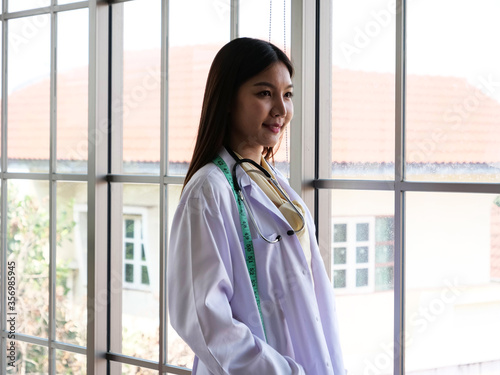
(208, 183)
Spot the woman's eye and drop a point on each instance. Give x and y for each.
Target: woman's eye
(289, 95)
(265, 93)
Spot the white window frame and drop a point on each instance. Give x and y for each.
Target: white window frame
(140, 214)
(351, 266)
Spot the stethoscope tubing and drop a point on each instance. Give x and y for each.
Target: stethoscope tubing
(268, 176)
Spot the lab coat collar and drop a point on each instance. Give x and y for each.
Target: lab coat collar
(257, 195)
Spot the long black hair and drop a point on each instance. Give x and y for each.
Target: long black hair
(235, 63)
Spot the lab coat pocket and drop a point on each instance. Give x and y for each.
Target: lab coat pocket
(269, 264)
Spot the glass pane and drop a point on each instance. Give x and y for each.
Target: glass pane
(455, 303)
(339, 255)
(339, 279)
(365, 301)
(340, 233)
(16, 5)
(72, 91)
(129, 273)
(384, 254)
(384, 229)
(135, 299)
(254, 18)
(362, 277)
(29, 87)
(28, 249)
(384, 278)
(453, 100)
(30, 359)
(144, 275)
(129, 228)
(129, 250)
(362, 232)
(139, 106)
(363, 56)
(190, 57)
(362, 254)
(179, 353)
(70, 363)
(71, 264)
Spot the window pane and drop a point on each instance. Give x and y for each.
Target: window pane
(139, 106)
(384, 278)
(455, 303)
(29, 87)
(364, 297)
(339, 255)
(129, 228)
(17, 5)
(384, 254)
(71, 264)
(384, 229)
(31, 359)
(363, 71)
(362, 232)
(129, 273)
(362, 277)
(340, 233)
(339, 279)
(129, 250)
(72, 91)
(179, 353)
(70, 363)
(254, 17)
(190, 56)
(135, 299)
(453, 100)
(28, 248)
(362, 254)
(144, 275)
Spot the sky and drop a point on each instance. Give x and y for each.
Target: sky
(444, 37)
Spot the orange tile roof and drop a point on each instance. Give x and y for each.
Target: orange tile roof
(363, 114)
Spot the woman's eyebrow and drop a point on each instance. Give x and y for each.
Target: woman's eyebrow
(268, 84)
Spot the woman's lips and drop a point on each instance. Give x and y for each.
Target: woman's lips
(275, 128)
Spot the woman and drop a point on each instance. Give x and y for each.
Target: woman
(260, 303)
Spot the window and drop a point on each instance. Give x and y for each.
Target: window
(353, 254)
(134, 253)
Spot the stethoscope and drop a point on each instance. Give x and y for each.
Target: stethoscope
(268, 176)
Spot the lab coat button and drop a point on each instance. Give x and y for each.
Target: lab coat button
(317, 319)
(304, 272)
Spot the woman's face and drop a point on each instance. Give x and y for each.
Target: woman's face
(261, 110)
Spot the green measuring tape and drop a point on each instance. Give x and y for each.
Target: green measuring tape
(247, 237)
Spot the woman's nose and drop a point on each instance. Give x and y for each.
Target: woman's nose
(279, 109)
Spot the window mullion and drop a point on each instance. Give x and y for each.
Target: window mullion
(3, 197)
(399, 194)
(52, 191)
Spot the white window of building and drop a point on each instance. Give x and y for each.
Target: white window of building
(135, 266)
(354, 254)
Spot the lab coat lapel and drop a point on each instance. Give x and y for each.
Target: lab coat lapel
(252, 191)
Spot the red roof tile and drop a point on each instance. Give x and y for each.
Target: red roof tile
(363, 114)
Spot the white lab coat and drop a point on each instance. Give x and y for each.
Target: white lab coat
(210, 297)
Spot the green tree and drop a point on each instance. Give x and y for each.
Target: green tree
(28, 247)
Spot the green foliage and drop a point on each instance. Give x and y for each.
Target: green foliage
(28, 246)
